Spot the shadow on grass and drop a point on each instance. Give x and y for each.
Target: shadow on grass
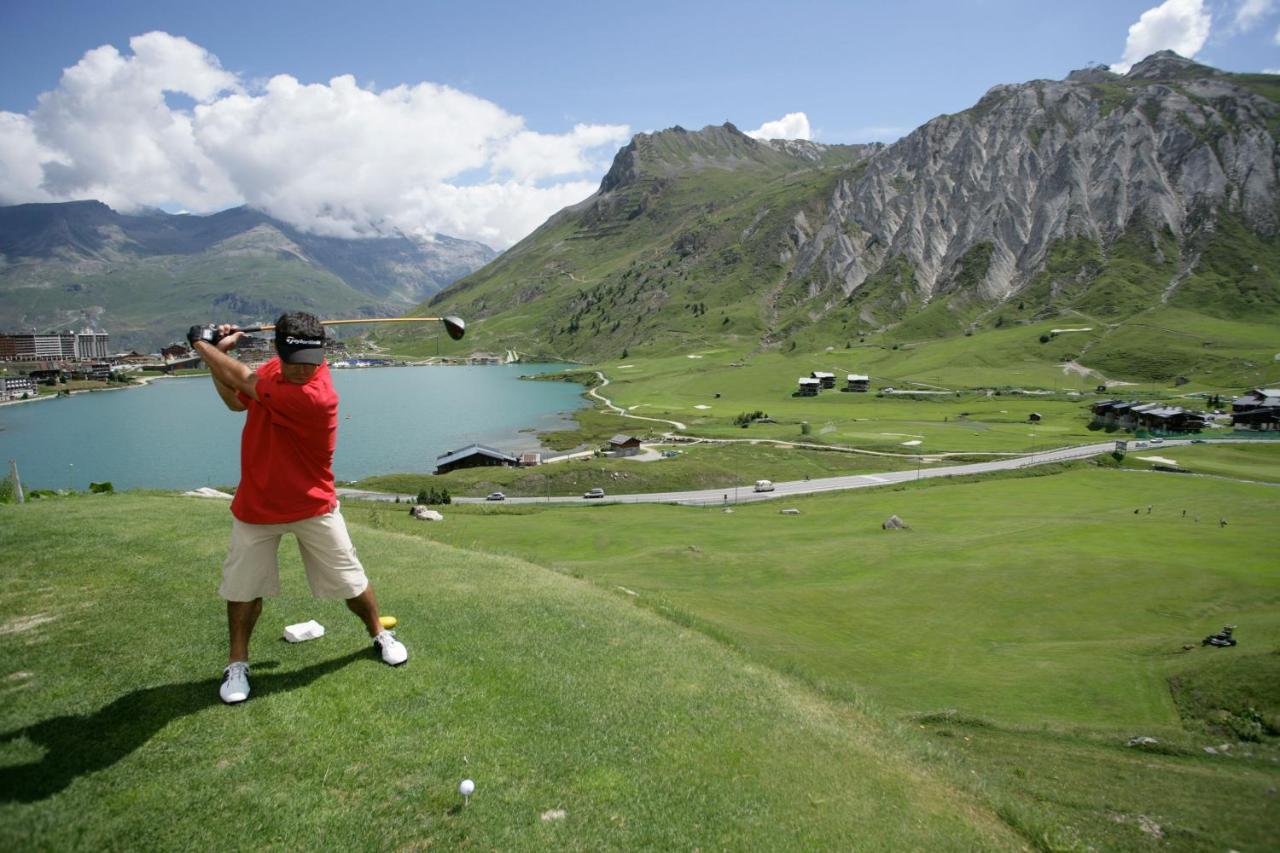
(77, 745)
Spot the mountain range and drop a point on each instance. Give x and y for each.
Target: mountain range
(146, 277)
(1097, 198)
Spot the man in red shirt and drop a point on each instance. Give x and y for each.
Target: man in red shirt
(286, 486)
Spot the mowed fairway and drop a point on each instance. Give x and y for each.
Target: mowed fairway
(1029, 626)
(586, 723)
(1041, 599)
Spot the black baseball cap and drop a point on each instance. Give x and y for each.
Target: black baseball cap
(303, 345)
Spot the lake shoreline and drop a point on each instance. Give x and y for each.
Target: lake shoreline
(178, 436)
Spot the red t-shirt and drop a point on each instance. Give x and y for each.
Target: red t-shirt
(286, 450)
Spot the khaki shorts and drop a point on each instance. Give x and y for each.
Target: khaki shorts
(253, 571)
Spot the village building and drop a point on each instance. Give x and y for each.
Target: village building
(14, 387)
(808, 387)
(1261, 419)
(1152, 417)
(624, 445)
(473, 456)
(99, 371)
(530, 458)
(857, 382)
(827, 380)
(83, 345)
(1258, 398)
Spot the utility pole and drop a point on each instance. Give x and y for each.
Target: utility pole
(17, 483)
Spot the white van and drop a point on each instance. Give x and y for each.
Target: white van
(764, 486)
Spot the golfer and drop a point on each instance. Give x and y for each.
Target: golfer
(286, 486)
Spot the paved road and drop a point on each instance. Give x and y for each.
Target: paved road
(744, 493)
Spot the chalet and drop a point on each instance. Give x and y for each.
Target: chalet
(1258, 398)
(530, 458)
(473, 456)
(1170, 419)
(1262, 419)
(808, 387)
(857, 382)
(827, 380)
(176, 351)
(1153, 417)
(624, 445)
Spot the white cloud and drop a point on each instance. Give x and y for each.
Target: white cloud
(1178, 25)
(1250, 13)
(332, 157)
(790, 126)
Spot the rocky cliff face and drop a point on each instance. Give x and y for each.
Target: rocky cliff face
(1170, 146)
(1100, 195)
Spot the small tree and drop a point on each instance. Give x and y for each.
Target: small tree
(805, 429)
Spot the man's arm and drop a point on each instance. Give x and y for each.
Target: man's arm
(230, 377)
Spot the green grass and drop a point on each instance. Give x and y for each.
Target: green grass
(1239, 461)
(696, 467)
(1010, 582)
(1042, 608)
(548, 692)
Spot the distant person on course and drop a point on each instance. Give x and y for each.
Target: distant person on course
(286, 486)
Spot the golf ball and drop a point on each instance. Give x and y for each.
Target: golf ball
(467, 788)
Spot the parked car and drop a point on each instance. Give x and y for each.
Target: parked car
(495, 496)
(594, 493)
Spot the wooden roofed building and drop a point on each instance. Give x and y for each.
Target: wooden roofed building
(857, 382)
(1257, 398)
(474, 456)
(624, 445)
(1260, 419)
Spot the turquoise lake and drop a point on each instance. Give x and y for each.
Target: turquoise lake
(177, 434)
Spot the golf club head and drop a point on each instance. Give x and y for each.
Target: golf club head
(455, 327)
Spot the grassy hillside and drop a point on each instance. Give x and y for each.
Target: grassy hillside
(551, 694)
(1034, 625)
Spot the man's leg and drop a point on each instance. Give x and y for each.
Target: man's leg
(334, 571)
(365, 606)
(241, 617)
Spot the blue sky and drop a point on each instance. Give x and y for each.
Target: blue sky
(548, 91)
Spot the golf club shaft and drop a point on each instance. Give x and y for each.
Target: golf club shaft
(267, 327)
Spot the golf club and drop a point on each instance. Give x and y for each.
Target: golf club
(453, 325)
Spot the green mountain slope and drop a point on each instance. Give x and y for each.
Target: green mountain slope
(146, 278)
(1098, 199)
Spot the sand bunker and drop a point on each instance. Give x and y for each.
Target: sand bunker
(1159, 460)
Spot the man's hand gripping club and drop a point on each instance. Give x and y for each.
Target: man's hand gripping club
(230, 377)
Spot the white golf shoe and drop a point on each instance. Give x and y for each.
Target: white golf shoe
(393, 651)
(235, 683)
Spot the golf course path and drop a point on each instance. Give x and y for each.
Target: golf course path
(618, 410)
(745, 493)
